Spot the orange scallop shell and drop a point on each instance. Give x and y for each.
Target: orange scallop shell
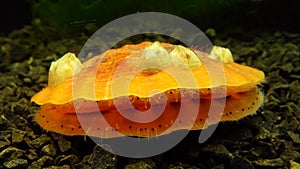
(57, 111)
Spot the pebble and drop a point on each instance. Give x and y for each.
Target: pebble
(11, 153)
(268, 116)
(4, 143)
(16, 163)
(69, 159)
(32, 155)
(249, 154)
(17, 135)
(40, 141)
(265, 150)
(5, 138)
(277, 162)
(293, 124)
(278, 131)
(36, 72)
(290, 154)
(262, 134)
(27, 80)
(58, 167)
(217, 150)
(181, 165)
(294, 165)
(141, 165)
(102, 159)
(63, 144)
(294, 136)
(41, 162)
(49, 149)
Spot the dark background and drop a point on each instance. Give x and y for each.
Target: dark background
(218, 14)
